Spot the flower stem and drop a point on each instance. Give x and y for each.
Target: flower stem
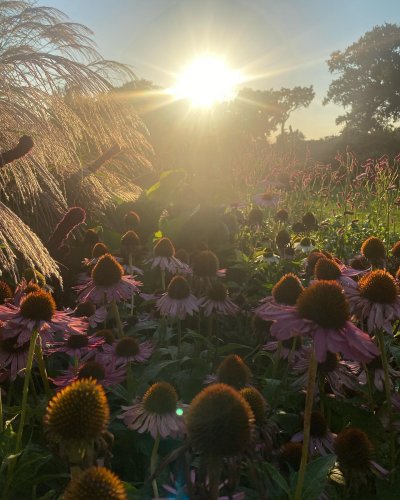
(163, 280)
(388, 396)
(179, 338)
(131, 272)
(214, 466)
(153, 463)
(369, 385)
(1, 412)
(25, 389)
(117, 318)
(312, 371)
(42, 368)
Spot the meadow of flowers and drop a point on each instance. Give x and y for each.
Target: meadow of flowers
(198, 350)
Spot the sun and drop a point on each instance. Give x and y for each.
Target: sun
(206, 81)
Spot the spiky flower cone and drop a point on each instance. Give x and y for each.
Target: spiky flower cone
(96, 483)
(79, 413)
(219, 422)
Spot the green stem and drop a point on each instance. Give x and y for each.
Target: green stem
(130, 272)
(179, 338)
(214, 467)
(388, 396)
(369, 384)
(312, 371)
(25, 389)
(153, 463)
(117, 318)
(42, 369)
(1, 412)
(163, 280)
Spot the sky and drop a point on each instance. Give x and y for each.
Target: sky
(275, 43)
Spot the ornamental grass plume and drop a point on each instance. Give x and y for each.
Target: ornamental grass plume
(95, 483)
(78, 415)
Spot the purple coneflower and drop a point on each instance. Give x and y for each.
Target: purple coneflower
(107, 283)
(328, 269)
(305, 246)
(321, 438)
(339, 374)
(322, 312)
(13, 356)
(164, 258)
(218, 301)
(290, 349)
(266, 199)
(157, 412)
(177, 302)
(125, 350)
(375, 368)
(94, 315)
(284, 293)
(76, 345)
(106, 375)
(37, 311)
(375, 300)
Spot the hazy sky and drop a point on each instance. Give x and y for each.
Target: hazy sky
(276, 42)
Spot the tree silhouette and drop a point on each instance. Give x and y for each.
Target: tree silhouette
(368, 82)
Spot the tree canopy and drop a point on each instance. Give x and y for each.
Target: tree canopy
(368, 80)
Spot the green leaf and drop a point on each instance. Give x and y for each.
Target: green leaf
(316, 475)
(277, 478)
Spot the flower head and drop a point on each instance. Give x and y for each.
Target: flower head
(375, 300)
(255, 217)
(107, 272)
(5, 292)
(257, 403)
(177, 301)
(78, 413)
(218, 301)
(373, 249)
(205, 264)
(95, 483)
(219, 421)
(132, 220)
(38, 306)
(233, 371)
(287, 290)
(322, 311)
(156, 412)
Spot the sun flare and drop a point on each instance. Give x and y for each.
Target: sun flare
(206, 81)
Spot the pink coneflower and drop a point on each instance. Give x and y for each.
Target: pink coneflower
(375, 368)
(321, 438)
(108, 283)
(125, 350)
(305, 246)
(13, 356)
(76, 345)
(105, 374)
(266, 199)
(94, 315)
(328, 269)
(37, 310)
(164, 258)
(158, 413)
(290, 349)
(177, 302)
(322, 312)
(284, 293)
(217, 301)
(375, 300)
(339, 374)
